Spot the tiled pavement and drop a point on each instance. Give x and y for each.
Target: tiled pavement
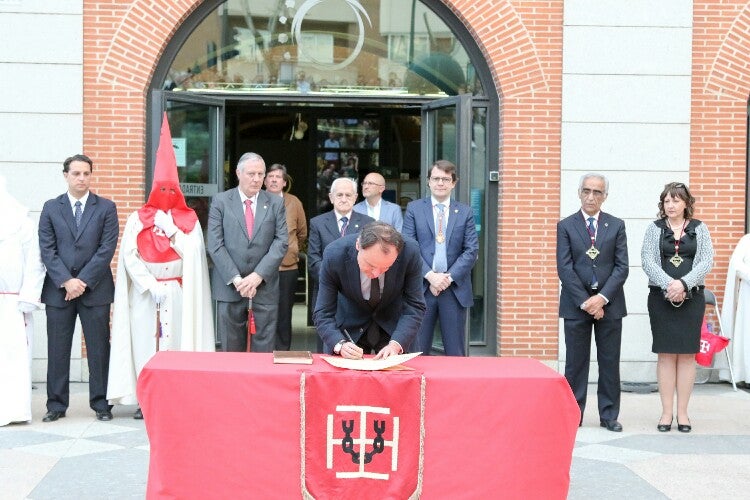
(80, 458)
(76, 457)
(713, 461)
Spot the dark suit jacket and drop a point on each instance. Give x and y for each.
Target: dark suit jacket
(233, 252)
(462, 243)
(575, 267)
(84, 253)
(341, 304)
(324, 229)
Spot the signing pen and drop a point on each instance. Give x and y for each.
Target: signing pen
(349, 338)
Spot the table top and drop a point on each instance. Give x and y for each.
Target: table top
(434, 366)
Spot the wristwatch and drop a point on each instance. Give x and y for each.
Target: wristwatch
(337, 347)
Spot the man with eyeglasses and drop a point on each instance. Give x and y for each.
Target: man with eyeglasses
(449, 245)
(370, 298)
(247, 239)
(375, 206)
(592, 264)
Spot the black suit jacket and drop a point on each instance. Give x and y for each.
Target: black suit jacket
(84, 253)
(575, 267)
(324, 229)
(341, 305)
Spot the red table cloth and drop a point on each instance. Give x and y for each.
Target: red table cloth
(227, 425)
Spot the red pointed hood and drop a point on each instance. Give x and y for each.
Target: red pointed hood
(165, 195)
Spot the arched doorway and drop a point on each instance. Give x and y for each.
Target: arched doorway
(278, 77)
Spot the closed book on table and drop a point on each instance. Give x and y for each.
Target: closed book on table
(293, 357)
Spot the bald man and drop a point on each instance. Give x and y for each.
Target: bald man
(375, 206)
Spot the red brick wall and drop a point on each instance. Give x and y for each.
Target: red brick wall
(718, 135)
(522, 41)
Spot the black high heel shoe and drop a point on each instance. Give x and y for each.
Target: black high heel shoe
(684, 427)
(664, 427)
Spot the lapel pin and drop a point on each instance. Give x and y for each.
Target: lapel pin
(264, 207)
(455, 211)
(606, 224)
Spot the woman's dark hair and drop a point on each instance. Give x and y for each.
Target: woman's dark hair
(677, 190)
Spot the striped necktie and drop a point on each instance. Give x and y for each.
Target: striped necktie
(344, 225)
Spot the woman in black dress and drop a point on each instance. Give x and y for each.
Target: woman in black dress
(676, 256)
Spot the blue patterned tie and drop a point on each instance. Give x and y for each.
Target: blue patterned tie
(440, 263)
(78, 214)
(344, 225)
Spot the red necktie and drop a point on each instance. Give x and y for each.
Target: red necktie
(249, 217)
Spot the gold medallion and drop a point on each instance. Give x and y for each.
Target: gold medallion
(676, 260)
(440, 238)
(592, 252)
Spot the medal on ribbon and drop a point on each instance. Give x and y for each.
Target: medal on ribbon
(440, 236)
(676, 260)
(592, 252)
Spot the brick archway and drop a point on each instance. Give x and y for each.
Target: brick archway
(522, 46)
(729, 76)
(718, 124)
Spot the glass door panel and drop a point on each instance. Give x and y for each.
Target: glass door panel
(450, 132)
(197, 127)
(478, 201)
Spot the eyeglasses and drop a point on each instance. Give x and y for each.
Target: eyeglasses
(343, 195)
(368, 183)
(586, 192)
(438, 180)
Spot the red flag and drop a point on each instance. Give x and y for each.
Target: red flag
(363, 434)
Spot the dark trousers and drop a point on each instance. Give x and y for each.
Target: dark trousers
(60, 327)
(608, 336)
(287, 289)
(452, 316)
(232, 326)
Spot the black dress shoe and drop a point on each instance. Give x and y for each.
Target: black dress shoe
(684, 427)
(611, 425)
(103, 415)
(51, 416)
(664, 427)
(138, 415)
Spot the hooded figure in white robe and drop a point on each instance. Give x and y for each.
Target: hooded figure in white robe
(21, 279)
(735, 314)
(162, 293)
